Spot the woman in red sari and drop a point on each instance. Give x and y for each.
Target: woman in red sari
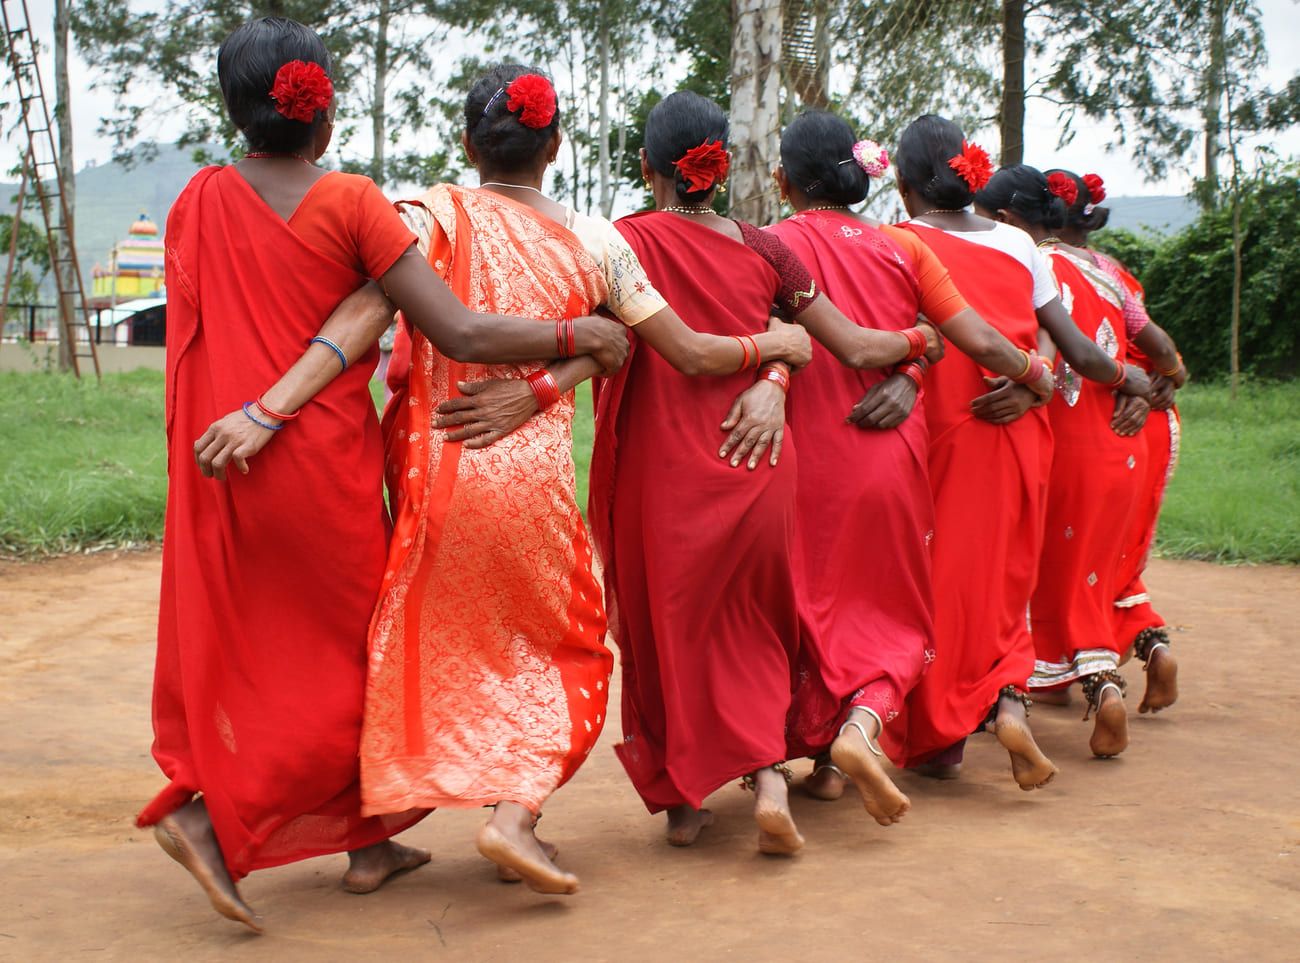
(1138, 625)
(990, 455)
(1091, 495)
(700, 561)
(866, 546)
(269, 579)
(488, 673)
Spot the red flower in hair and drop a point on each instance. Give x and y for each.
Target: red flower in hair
(702, 167)
(301, 89)
(972, 165)
(1064, 187)
(1096, 188)
(534, 97)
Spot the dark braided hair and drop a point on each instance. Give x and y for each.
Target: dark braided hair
(247, 63)
(817, 154)
(922, 158)
(676, 124)
(1078, 215)
(1023, 190)
(502, 141)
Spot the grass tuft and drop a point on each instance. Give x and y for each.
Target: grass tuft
(83, 467)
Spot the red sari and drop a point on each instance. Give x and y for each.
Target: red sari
(1091, 497)
(1161, 435)
(269, 579)
(865, 512)
(697, 555)
(990, 496)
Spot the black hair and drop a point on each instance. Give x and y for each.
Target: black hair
(676, 124)
(922, 158)
(1023, 190)
(503, 142)
(1078, 215)
(247, 63)
(817, 154)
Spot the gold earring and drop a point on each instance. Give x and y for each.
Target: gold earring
(722, 188)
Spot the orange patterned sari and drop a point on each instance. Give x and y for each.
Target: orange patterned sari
(488, 674)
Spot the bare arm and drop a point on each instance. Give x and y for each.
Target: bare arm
(859, 347)
(988, 347)
(693, 353)
(1160, 348)
(1084, 354)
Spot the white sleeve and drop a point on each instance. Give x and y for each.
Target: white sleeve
(1044, 278)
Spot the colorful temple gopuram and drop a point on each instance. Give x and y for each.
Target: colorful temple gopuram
(135, 266)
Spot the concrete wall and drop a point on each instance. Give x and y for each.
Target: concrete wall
(112, 358)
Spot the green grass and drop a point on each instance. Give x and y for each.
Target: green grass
(1236, 494)
(83, 466)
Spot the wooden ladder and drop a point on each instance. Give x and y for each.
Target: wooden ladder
(48, 185)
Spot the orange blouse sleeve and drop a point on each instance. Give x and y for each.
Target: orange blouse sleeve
(940, 299)
(382, 237)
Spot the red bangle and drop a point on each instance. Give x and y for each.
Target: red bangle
(570, 328)
(1120, 377)
(754, 344)
(1034, 370)
(744, 352)
(545, 390)
(559, 339)
(916, 371)
(915, 343)
(276, 414)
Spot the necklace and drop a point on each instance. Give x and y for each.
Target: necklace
(268, 154)
(825, 207)
(521, 187)
(1047, 241)
(689, 210)
(940, 210)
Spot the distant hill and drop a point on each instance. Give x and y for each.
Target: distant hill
(110, 197)
(1162, 215)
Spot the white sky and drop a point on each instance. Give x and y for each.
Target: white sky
(1088, 151)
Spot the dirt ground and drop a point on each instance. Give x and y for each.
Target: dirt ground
(1186, 847)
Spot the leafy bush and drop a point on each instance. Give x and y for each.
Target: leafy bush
(1188, 282)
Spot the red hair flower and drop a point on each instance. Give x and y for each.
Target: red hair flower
(1063, 186)
(972, 165)
(534, 97)
(1096, 188)
(301, 89)
(702, 167)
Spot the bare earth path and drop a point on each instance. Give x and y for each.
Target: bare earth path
(1186, 847)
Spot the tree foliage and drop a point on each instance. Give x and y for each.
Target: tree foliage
(1189, 281)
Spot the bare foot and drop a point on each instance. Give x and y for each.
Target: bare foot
(1110, 729)
(187, 837)
(1162, 681)
(1031, 769)
(507, 839)
(938, 770)
(777, 833)
(508, 875)
(1051, 697)
(370, 868)
(825, 781)
(685, 823)
(852, 753)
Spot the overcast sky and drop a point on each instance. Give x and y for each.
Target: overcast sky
(1088, 151)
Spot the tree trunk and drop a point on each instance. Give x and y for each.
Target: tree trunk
(1013, 82)
(602, 122)
(67, 173)
(1210, 110)
(379, 104)
(755, 108)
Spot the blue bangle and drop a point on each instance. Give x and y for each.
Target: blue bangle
(258, 421)
(343, 359)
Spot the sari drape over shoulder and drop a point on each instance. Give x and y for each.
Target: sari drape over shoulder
(268, 579)
(488, 674)
(1091, 496)
(865, 515)
(697, 555)
(990, 496)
